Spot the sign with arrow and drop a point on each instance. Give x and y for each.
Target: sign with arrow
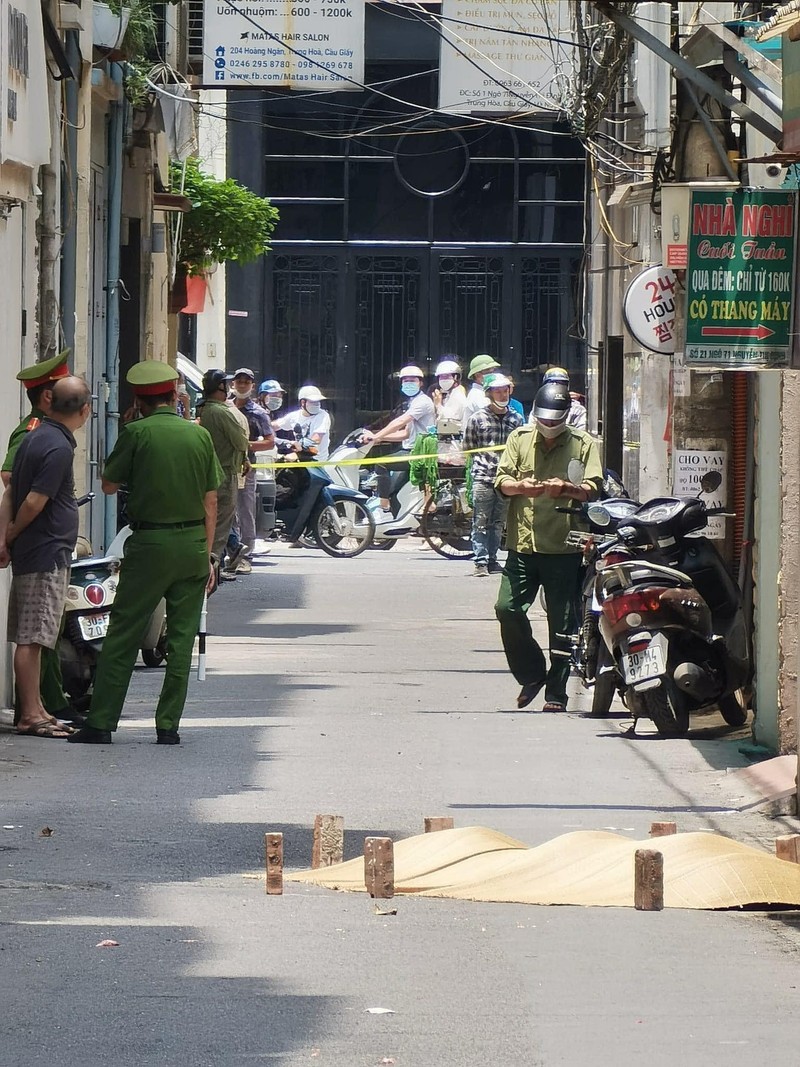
(740, 278)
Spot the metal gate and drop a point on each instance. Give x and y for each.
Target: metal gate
(390, 325)
(348, 320)
(468, 317)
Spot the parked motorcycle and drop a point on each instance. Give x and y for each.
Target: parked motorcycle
(591, 660)
(308, 504)
(672, 617)
(443, 520)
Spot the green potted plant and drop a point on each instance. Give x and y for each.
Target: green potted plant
(227, 222)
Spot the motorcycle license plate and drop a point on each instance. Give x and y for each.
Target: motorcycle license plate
(641, 666)
(94, 627)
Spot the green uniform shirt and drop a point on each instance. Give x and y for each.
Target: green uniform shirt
(168, 465)
(28, 423)
(533, 524)
(230, 439)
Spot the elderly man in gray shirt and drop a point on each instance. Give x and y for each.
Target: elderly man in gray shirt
(38, 530)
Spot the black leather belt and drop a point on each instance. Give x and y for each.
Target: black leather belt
(167, 525)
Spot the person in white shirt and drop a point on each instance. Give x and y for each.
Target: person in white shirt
(450, 398)
(314, 423)
(577, 417)
(476, 400)
(418, 417)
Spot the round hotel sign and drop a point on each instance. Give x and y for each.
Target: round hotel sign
(649, 309)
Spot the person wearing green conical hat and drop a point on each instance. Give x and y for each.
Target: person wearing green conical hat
(38, 380)
(171, 472)
(476, 400)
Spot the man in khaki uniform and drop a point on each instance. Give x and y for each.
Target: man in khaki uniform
(544, 466)
(231, 444)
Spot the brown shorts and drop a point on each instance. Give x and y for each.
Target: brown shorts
(35, 607)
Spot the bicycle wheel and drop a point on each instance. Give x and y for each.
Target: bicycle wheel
(445, 526)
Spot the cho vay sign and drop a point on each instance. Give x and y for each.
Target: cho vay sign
(740, 278)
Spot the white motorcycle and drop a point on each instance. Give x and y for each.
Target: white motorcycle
(443, 519)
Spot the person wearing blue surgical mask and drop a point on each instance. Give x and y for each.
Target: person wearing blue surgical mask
(418, 417)
(271, 395)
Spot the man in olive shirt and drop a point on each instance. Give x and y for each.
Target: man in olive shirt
(231, 444)
(39, 380)
(172, 474)
(546, 465)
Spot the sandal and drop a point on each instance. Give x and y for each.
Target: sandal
(47, 728)
(528, 693)
(554, 705)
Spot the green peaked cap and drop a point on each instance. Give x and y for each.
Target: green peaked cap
(151, 377)
(49, 370)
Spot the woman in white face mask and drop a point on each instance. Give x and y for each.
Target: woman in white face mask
(450, 398)
(314, 423)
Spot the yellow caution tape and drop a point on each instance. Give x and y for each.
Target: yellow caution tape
(373, 460)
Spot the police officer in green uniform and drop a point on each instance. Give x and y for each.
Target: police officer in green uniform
(38, 381)
(172, 474)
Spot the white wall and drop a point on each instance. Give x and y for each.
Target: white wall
(212, 138)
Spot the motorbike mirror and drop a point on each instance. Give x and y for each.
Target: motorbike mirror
(576, 471)
(710, 481)
(297, 430)
(598, 515)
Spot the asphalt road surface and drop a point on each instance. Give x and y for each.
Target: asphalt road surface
(375, 689)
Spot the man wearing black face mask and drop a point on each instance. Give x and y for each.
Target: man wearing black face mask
(544, 466)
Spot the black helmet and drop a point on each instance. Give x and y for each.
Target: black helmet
(213, 379)
(552, 402)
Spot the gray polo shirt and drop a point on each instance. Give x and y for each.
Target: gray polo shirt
(43, 464)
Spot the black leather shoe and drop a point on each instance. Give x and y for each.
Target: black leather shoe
(167, 737)
(87, 735)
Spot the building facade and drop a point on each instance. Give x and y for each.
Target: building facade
(404, 236)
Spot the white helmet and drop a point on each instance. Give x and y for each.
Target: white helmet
(411, 372)
(310, 392)
(447, 366)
